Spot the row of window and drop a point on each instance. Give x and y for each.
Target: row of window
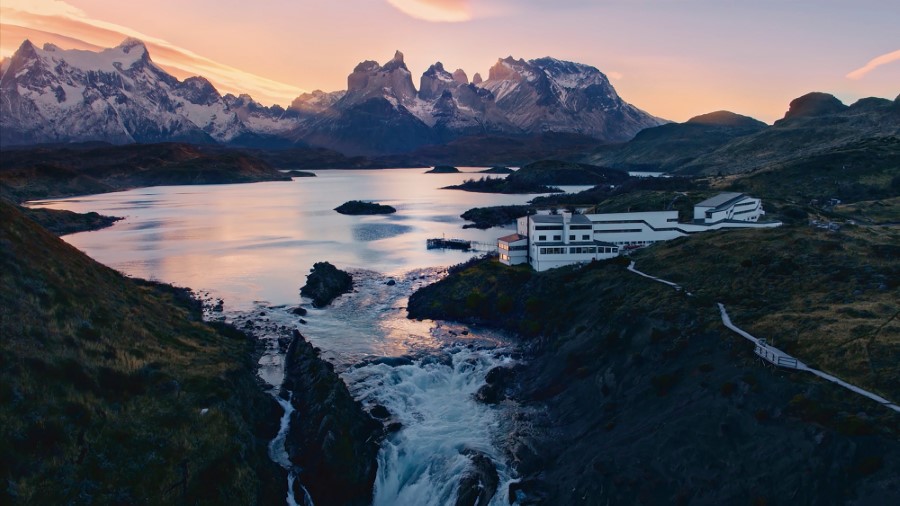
(573, 237)
(578, 250)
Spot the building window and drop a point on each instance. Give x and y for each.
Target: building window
(542, 238)
(571, 237)
(585, 238)
(553, 251)
(548, 227)
(557, 238)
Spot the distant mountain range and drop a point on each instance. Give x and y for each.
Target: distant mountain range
(816, 124)
(119, 95)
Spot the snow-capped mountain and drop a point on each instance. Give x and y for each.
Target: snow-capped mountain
(118, 95)
(547, 94)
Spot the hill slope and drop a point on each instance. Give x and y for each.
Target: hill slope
(724, 143)
(637, 393)
(104, 382)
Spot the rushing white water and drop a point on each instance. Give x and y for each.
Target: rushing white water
(431, 392)
(433, 399)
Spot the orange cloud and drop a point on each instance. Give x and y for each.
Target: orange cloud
(442, 11)
(874, 63)
(44, 21)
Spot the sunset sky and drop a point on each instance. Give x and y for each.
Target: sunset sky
(672, 58)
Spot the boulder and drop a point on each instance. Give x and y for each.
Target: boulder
(478, 484)
(325, 283)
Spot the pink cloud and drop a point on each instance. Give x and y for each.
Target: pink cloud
(445, 11)
(874, 63)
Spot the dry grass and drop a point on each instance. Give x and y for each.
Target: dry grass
(103, 381)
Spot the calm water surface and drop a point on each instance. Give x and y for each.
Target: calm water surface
(257, 242)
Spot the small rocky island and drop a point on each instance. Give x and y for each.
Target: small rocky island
(324, 283)
(443, 169)
(497, 170)
(358, 207)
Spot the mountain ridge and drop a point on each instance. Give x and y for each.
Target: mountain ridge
(119, 95)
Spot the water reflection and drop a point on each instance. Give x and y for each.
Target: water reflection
(258, 241)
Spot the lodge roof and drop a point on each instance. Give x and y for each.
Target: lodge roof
(721, 200)
(512, 238)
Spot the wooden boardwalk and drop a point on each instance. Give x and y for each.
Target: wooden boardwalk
(774, 355)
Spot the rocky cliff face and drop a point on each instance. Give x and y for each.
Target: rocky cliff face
(331, 438)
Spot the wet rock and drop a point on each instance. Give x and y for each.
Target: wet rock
(393, 426)
(325, 283)
(302, 321)
(489, 394)
(494, 391)
(391, 282)
(380, 412)
(299, 311)
(331, 438)
(392, 361)
(479, 483)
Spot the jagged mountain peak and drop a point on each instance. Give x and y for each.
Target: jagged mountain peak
(392, 81)
(198, 90)
(130, 44)
(459, 75)
(506, 69)
(395, 63)
(477, 79)
(116, 95)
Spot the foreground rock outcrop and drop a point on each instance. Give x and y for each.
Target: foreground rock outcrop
(324, 283)
(331, 439)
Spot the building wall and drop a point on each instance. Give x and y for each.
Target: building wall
(746, 209)
(549, 245)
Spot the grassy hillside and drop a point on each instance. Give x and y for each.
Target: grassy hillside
(637, 393)
(104, 382)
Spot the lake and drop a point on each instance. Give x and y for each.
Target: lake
(257, 242)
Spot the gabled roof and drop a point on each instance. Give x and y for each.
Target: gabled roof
(721, 200)
(512, 238)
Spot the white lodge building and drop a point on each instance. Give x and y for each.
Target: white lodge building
(546, 241)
